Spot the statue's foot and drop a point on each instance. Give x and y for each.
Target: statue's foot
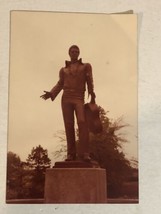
(70, 158)
(86, 157)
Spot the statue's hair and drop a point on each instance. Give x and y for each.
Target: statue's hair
(73, 46)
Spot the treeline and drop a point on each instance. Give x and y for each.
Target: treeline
(26, 179)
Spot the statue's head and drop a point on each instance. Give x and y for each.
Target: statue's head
(74, 52)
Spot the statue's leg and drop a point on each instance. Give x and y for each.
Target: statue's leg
(83, 130)
(68, 116)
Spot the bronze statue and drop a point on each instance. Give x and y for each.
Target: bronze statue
(73, 79)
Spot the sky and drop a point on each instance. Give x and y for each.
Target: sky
(39, 43)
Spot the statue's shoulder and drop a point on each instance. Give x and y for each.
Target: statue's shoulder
(84, 63)
(61, 72)
(88, 66)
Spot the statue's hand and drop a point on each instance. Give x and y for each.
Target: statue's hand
(46, 96)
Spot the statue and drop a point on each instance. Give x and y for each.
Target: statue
(73, 79)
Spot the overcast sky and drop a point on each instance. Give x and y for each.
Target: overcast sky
(39, 46)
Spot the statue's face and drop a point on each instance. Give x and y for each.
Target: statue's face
(74, 53)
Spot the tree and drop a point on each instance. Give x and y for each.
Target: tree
(26, 179)
(14, 175)
(106, 148)
(38, 161)
(61, 152)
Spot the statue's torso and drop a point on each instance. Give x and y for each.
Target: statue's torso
(75, 77)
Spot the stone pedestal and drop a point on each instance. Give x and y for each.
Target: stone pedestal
(75, 185)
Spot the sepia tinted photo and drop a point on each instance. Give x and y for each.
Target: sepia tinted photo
(72, 124)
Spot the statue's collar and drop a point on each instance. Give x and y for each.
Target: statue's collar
(68, 63)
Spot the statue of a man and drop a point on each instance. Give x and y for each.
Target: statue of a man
(73, 79)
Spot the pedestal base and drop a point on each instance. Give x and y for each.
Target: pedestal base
(75, 185)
